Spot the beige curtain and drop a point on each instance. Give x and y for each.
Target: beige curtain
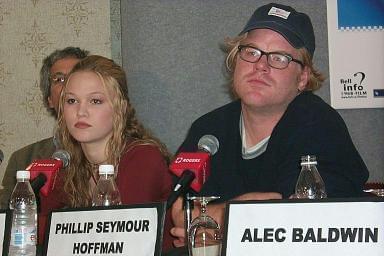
(31, 30)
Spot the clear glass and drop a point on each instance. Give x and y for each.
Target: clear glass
(24, 220)
(310, 184)
(204, 234)
(375, 191)
(106, 192)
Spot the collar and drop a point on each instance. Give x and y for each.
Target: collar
(253, 151)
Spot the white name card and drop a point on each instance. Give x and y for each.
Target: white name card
(316, 228)
(2, 229)
(5, 226)
(126, 230)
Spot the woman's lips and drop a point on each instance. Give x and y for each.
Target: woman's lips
(82, 125)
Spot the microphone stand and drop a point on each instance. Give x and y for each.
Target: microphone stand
(188, 207)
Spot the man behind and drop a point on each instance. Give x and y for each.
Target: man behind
(275, 120)
(52, 77)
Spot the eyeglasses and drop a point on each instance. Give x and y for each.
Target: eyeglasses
(274, 59)
(58, 78)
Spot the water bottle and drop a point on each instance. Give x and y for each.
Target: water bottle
(24, 219)
(106, 192)
(310, 184)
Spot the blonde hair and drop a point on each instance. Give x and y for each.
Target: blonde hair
(231, 47)
(127, 130)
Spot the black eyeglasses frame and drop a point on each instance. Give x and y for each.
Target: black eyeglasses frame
(289, 57)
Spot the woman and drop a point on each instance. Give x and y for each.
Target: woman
(97, 125)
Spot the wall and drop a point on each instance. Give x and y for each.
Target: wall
(31, 30)
(171, 52)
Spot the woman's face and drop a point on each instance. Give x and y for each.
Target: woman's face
(87, 110)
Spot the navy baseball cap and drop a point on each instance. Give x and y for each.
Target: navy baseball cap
(295, 26)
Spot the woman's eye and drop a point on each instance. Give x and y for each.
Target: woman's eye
(70, 101)
(96, 101)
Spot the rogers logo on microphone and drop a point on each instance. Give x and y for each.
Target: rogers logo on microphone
(45, 164)
(187, 160)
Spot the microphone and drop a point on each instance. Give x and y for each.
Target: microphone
(197, 162)
(181, 186)
(43, 171)
(193, 168)
(1, 156)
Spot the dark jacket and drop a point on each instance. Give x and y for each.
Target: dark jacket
(308, 127)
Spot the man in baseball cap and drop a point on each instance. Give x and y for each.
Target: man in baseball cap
(275, 120)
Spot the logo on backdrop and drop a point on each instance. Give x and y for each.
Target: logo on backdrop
(353, 86)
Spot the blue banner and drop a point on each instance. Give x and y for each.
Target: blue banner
(360, 14)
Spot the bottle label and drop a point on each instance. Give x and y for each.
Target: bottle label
(308, 163)
(22, 236)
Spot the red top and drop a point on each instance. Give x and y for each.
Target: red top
(142, 177)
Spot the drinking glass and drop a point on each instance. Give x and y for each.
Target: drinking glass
(204, 234)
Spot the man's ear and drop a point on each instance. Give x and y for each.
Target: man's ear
(303, 78)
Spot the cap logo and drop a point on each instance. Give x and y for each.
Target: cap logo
(279, 12)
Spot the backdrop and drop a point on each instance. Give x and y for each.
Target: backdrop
(171, 53)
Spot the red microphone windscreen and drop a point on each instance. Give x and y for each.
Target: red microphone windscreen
(197, 162)
(49, 168)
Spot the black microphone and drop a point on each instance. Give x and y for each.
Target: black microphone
(44, 171)
(1, 156)
(197, 162)
(192, 168)
(182, 185)
(38, 182)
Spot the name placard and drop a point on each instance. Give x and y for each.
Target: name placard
(121, 230)
(5, 230)
(305, 227)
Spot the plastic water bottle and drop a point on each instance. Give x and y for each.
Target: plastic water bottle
(310, 184)
(24, 220)
(106, 192)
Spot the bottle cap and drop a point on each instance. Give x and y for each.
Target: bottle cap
(23, 174)
(106, 169)
(308, 159)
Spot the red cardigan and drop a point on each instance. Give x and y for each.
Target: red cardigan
(142, 177)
